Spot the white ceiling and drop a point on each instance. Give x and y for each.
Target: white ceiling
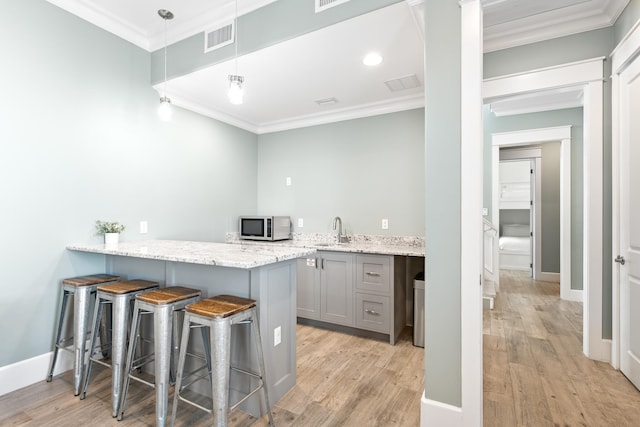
(283, 81)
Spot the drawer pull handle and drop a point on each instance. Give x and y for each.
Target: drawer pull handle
(373, 273)
(373, 312)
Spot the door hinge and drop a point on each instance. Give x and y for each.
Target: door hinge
(530, 265)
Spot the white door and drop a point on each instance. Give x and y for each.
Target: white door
(629, 252)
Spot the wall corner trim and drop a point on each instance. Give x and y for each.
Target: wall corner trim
(434, 413)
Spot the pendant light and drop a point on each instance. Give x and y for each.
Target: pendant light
(236, 92)
(164, 109)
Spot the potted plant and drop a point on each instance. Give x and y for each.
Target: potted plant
(110, 230)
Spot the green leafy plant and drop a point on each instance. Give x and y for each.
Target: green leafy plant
(103, 227)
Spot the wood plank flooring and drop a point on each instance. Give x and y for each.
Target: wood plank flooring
(343, 380)
(534, 371)
(534, 375)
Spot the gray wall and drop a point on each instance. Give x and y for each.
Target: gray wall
(572, 117)
(80, 141)
(443, 376)
(550, 207)
(362, 170)
(627, 20)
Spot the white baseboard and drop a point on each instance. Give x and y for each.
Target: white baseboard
(601, 351)
(436, 414)
(571, 295)
(548, 277)
(30, 371)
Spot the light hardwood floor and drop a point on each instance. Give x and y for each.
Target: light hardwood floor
(534, 375)
(534, 371)
(343, 380)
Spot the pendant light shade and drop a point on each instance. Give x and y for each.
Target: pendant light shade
(236, 92)
(165, 112)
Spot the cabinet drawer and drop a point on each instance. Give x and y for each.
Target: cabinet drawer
(373, 273)
(372, 312)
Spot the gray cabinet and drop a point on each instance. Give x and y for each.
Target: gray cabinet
(361, 291)
(373, 286)
(308, 289)
(325, 288)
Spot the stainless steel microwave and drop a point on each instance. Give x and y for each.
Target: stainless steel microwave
(265, 227)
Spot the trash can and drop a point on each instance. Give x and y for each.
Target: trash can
(418, 310)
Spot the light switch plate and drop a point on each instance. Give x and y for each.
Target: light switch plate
(143, 227)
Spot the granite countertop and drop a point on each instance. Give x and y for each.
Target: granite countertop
(365, 244)
(207, 253)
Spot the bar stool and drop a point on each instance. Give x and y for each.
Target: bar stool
(82, 288)
(120, 295)
(219, 314)
(163, 304)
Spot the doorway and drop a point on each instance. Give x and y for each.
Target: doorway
(586, 75)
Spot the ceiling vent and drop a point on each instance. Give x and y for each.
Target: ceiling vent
(215, 39)
(322, 5)
(326, 101)
(403, 83)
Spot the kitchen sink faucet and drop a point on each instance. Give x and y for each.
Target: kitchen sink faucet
(342, 238)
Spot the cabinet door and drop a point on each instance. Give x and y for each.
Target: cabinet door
(308, 288)
(336, 283)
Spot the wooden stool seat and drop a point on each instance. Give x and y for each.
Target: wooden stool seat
(168, 295)
(92, 279)
(221, 306)
(127, 286)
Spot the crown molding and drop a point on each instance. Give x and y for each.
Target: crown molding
(372, 109)
(410, 102)
(587, 16)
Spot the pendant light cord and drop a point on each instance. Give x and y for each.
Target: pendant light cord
(165, 58)
(235, 29)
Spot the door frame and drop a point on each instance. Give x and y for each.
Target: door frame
(626, 51)
(589, 75)
(537, 136)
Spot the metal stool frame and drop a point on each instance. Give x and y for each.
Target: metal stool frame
(121, 308)
(165, 353)
(220, 362)
(82, 288)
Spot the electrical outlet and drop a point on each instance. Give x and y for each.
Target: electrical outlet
(300, 222)
(288, 181)
(385, 224)
(485, 211)
(277, 336)
(143, 227)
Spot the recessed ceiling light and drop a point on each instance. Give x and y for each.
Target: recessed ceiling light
(372, 59)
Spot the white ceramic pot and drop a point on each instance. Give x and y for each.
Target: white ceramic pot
(111, 239)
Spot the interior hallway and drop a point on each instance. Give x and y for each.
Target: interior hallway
(534, 371)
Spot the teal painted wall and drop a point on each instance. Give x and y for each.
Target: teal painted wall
(567, 117)
(443, 376)
(629, 17)
(361, 170)
(80, 141)
(587, 45)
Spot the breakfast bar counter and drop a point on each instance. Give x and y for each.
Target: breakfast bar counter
(265, 273)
